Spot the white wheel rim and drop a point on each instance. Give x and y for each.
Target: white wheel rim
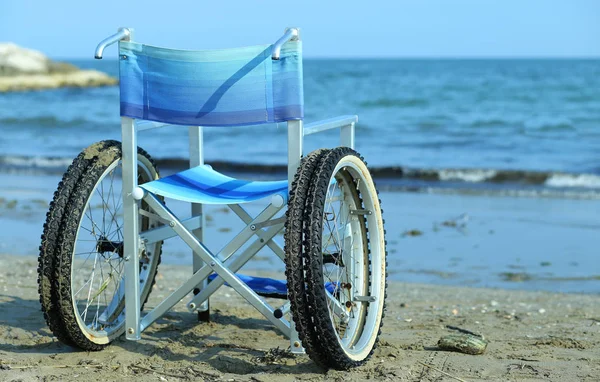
(358, 336)
(102, 317)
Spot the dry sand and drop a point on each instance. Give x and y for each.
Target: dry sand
(533, 336)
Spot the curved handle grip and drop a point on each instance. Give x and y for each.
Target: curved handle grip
(290, 34)
(122, 34)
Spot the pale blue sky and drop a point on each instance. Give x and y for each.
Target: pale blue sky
(386, 28)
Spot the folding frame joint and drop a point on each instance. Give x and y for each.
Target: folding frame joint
(267, 223)
(150, 215)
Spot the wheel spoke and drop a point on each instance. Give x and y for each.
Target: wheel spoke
(104, 206)
(90, 289)
(83, 286)
(111, 194)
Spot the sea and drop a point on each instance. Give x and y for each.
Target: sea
(531, 124)
(519, 128)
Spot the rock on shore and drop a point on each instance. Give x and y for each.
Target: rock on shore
(27, 69)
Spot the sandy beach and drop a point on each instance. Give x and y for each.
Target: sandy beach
(532, 336)
(469, 243)
(479, 122)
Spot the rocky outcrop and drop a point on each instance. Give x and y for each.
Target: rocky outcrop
(26, 69)
(78, 79)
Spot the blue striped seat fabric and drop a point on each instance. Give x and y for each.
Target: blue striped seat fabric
(229, 87)
(204, 185)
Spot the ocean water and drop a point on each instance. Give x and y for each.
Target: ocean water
(511, 148)
(527, 125)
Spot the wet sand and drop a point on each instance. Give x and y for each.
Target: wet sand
(450, 239)
(533, 336)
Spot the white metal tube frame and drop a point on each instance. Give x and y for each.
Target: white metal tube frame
(190, 230)
(296, 133)
(346, 124)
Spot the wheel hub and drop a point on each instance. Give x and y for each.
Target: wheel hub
(333, 258)
(104, 245)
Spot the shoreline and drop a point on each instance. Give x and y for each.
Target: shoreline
(445, 239)
(533, 335)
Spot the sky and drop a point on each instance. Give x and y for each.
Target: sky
(329, 28)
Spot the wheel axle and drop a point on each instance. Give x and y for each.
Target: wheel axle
(333, 258)
(104, 245)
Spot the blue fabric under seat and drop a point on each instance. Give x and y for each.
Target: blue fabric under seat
(204, 185)
(270, 287)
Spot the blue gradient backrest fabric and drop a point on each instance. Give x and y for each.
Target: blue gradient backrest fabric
(228, 87)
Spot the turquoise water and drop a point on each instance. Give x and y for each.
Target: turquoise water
(495, 120)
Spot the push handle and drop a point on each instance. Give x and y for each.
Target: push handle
(290, 34)
(122, 34)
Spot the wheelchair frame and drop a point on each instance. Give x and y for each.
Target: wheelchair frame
(191, 230)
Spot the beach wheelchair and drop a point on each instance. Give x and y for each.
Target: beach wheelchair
(102, 240)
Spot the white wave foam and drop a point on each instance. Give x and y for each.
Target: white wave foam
(473, 176)
(539, 193)
(573, 180)
(36, 162)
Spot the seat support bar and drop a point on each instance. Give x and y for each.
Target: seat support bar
(166, 232)
(217, 265)
(246, 233)
(235, 265)
(198, 277)
(246, 218)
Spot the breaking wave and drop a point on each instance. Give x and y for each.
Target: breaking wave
(403, 177)
(45, 121)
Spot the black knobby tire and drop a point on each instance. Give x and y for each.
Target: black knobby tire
(329, 342)
(294, 263)
(107, 155)
(54, 217)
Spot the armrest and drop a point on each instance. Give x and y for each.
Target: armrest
(328, 124)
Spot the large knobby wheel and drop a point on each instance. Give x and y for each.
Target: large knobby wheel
(345, 259)
(46, 260)
(294, 262)
(88, 274)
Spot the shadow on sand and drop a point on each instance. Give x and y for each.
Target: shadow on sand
(177, 339)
